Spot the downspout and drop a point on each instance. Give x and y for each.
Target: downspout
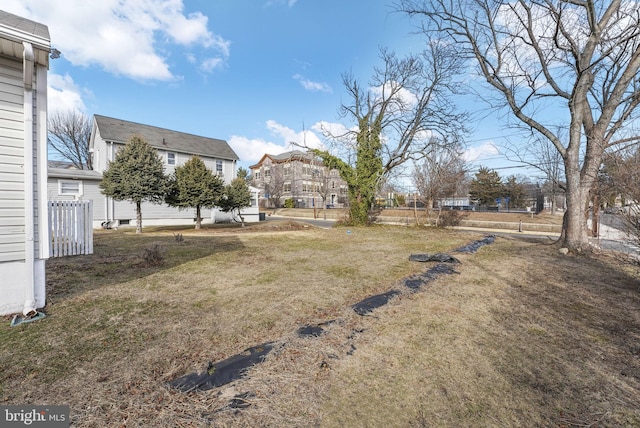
(106, 198)
(29, 205)
(110, 203)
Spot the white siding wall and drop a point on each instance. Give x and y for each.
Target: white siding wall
(100, 157)
(157, 214)
(12, 286)
(211, 163)
(40, 221)
(12, 158)
(23, 278)
(90, 192)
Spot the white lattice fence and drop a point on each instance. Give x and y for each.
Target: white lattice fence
(70, 225)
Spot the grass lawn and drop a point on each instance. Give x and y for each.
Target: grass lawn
(521, 336)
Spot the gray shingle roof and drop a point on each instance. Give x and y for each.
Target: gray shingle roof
(14, 30)
(83, 174)
(292, 154)
(120, 131)
(24, 25)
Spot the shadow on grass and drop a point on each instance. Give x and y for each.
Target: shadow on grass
(569, 335)
(125, 256)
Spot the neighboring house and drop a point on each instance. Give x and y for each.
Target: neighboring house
(24, 59)
(300, 177)
(175, 148)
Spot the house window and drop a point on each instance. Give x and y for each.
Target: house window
(287, 187)
(287, 170)
(219, 167)
(267, 172)
(256, 175)
(70, 187)
(171, 158)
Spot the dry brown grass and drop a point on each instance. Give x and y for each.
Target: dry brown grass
(521, 337)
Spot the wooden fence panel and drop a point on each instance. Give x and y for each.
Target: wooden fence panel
(71, 227)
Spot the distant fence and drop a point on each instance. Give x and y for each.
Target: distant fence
(70, 225)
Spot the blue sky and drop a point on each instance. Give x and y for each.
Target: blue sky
(256, 73)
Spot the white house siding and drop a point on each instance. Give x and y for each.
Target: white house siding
(12, 206)
(162, 215)
(228, 167)
(155, 215)
(89, 191)
(41, 226)
(100, 158)
(20, 272)
(14, 276)
(152, 215)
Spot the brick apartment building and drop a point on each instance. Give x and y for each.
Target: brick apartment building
(299, 178)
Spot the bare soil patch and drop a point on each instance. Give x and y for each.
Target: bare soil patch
(521, 336)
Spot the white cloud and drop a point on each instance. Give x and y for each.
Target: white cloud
(64, 95)
(250, 150)
(332, 129)
(211, 64)
(312, 86)
(304, 138)
(483, 151)
(130, 38)
(289, 3)
(400, 93)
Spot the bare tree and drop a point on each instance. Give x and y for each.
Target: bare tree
(321, 184)
(554, 63)
(549, 161)
(405, 104)
(274, 185)
(623, 171)
(621, 178)
(441, 174)
(69, 134)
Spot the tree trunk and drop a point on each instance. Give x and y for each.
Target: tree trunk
(575, 234)
(198, 218)
(595, 216)
(359, 210)
(138, 217)
(241, 218)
